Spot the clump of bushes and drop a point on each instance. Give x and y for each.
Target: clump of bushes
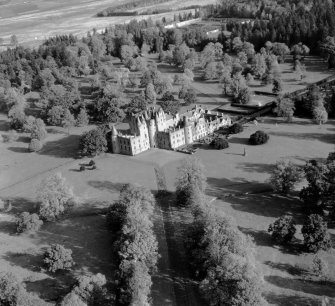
(28, 222)
(88, 290)
(316, 236)
(283, 229)
(56, 257)
(236, 128)
(137, 245)
(221, 255)
(220, 143)
(13, 293)
(35, 145)
(258, 138)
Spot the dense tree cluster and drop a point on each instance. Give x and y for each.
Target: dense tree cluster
(136, 246)
(221, 255)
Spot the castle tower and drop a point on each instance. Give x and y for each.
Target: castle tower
(152, 133)
(115, 141)
(188, 131)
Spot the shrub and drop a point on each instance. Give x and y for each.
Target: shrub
(220, 143)
(28, 222)
(57, 257)
(236, 128)
(258, 138)
(320, 268)
(284, 176)
(82, 168)
(38, 130)
(283, 229)
(35, 145)
(10, 137)
(82, 118)
(316, 236)
(91, 163)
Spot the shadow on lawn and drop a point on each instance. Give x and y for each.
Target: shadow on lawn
(8, 227)
(261, 238)
(4, 126)
(285, 267)
(66, 147)
(302, 285)
(326, 138)
(106, 185)
(256, 167)
(32, 262)
(289, 300)
(239, 140)
(18, 149)
(254, 198)
(20, 205)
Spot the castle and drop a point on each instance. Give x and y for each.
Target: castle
(156, 129)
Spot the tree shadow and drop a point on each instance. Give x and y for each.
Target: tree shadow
(4, 126)
(256, 167)
(303, 285)
(51, 289)
(32, 262)
(66, 147)
(19, 205)
(288, 268)
(290, 300)
(261, 238)
(220, 188)
(326, 138)
(239, 140)
(25, 139)
(8, 227)
(18, 149)
(106, 185)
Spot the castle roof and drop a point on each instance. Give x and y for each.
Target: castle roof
(114, 131)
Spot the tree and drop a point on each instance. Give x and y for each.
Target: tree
(277, 86)
(93, 143)
(190, 175)
(236, 128)
(38, 130)
(283, 229)
(35, 145)
(220, 143)
(17, 117)
(138, 104)
(13, 40)
(82, 118)
(54, 196)
(68, 120)
(243, 96)
(91, 289)
(56, 257)
(316, 236)
(285, 108)
(28, 222)
(150, 94)
(258, 138)
(210, 71)
(320, 115)
(285, 176)
(110, 110)
(55, 115)
(170, 106)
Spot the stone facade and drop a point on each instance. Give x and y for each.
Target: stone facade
(156, 129)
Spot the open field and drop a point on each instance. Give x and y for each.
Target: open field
(33, 21)
(237, 183)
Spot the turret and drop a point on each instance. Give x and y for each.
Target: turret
(152, 133)
(188, 131)
(115, 141)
